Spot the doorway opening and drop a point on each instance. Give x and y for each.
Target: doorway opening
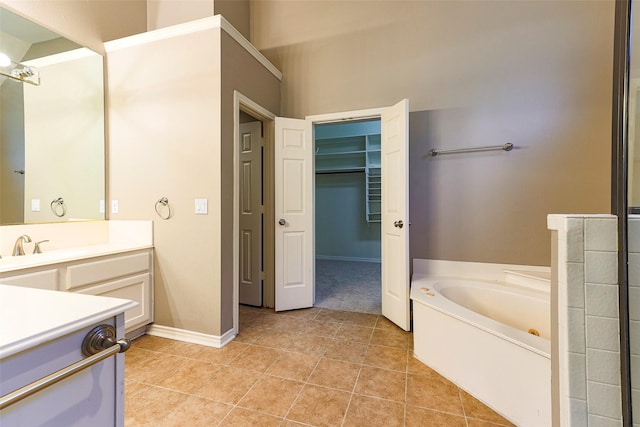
(251, 219)
(253, 203)
(348, 195)
(290, 242)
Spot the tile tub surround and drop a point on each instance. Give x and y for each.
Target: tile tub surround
(313, 367)
(588, 330)
(634, 307)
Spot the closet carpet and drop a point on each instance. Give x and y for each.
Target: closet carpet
(348, 285)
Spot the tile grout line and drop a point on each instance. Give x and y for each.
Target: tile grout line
(304, 383)
(353, 390)
(464, 411)
(406, 388)
(342, 322)
(263, 375)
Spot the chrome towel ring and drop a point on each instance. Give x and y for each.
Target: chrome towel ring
(58, 207)
(162, 203)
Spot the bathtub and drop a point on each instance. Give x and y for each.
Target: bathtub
(491, 339)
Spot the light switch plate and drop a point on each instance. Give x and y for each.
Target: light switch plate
(115, 207)
(102, 206)
(201, 207)
(35, 205)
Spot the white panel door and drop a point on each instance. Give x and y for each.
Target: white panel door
(251, 210)
(294, 272)
(395, 214)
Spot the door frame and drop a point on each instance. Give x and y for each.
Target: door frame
(339, 117)
(246, 104)
(345, 116)
(392, 309)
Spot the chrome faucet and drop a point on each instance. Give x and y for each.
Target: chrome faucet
(18, 250)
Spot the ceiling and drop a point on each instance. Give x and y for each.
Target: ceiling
(21, 28)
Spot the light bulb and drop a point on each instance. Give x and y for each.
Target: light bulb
(5, 61)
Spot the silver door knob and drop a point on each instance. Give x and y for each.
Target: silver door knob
(282, 221)
(398, 224)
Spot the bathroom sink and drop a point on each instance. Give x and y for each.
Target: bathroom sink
(11, 263)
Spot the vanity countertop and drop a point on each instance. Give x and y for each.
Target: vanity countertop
(15, 263)
(29, 317)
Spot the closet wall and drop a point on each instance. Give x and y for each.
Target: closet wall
(347, 191)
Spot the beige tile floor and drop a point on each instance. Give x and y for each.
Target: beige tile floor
(313, 367)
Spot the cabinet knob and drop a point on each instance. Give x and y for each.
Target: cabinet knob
(101, 338)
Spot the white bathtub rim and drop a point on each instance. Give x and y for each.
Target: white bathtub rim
(528, 291)
(444, 305)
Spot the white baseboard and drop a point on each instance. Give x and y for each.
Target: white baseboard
(191, 336)
(347, 258)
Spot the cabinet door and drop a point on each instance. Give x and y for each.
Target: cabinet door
(135, 288)
(91, 397)
(86, 273)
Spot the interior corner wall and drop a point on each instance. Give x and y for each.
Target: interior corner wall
(164, 141)
(241, 72)
(535, 74)
(88, 23)
(236, 12)
(164, 13)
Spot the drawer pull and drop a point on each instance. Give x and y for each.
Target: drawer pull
(100, 340)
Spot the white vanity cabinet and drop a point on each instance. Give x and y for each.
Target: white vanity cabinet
(39, 278)
(125, 275)
(121, 276)
(41, 333)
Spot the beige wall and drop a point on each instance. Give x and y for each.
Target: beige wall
(237, 12)
(88, 23)
(171, 134)
(164, 141)
(536, 74)
(634, 66)
(163, 13)
(241, 72)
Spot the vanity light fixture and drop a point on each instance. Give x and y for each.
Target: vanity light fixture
(17, 71)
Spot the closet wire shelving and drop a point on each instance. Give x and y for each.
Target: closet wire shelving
(359, 153)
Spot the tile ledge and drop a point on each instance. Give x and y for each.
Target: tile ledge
(559, 222)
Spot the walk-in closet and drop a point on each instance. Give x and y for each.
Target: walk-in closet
(347, 217)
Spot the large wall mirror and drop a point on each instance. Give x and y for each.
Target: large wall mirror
(52, 150)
